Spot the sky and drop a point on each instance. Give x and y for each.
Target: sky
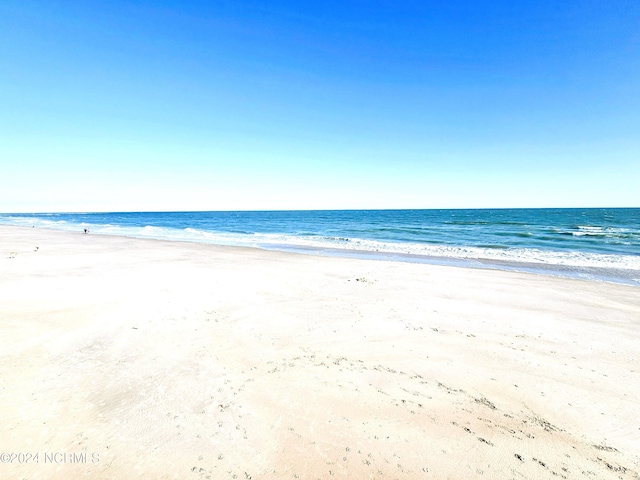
(259, 105)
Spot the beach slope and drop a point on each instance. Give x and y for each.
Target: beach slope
(142, 359)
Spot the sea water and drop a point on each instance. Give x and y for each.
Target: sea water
(598, 244)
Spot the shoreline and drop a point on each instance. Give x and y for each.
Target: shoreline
(186, 360)
(588, 273)
(593, 274)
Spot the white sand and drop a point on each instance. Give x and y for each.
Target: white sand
(186, 361)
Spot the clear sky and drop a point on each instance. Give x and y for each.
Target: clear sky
(203, 105)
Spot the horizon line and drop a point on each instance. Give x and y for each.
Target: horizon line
(67, 212)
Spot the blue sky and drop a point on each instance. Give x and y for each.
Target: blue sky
(163, 105)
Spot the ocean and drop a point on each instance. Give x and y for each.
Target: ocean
(597, 244)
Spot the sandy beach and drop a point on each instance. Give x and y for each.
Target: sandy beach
(142, 359)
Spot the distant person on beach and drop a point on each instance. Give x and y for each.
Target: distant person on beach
(86, 230)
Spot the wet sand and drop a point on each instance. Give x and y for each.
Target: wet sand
(142, 359)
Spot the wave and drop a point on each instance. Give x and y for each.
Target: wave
(598, 232)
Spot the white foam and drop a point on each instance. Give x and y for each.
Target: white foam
(601, 231)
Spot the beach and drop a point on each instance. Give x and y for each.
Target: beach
(127, 358)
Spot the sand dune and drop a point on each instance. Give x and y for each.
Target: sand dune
(126, 359)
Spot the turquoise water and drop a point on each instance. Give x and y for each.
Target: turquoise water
(599, 244)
